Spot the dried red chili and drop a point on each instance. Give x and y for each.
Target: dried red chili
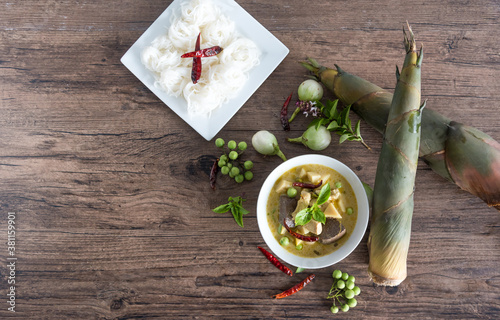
(213, 173)
(275, 262)
(284, 114)
(196, 71)
(295, 288)
(307, 185)
(203, 53)
(300, 236)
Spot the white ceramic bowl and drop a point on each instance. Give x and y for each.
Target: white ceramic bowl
(347, 247)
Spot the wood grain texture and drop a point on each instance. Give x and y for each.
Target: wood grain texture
(111, 191)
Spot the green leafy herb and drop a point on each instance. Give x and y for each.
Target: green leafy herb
(299, 270)
(318, 215)
(338, 122)
(303, 217)
(369, 192)
(235, 205)
(314, 212)
(324, 194)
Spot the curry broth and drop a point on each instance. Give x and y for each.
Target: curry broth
(313, 249)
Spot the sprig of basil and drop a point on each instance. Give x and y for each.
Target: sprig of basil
(304, 216)
(338, 122)
(235, 205)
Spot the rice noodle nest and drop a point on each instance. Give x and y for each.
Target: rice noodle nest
(222, 75)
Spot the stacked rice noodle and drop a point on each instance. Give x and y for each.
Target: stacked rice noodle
(222, 75)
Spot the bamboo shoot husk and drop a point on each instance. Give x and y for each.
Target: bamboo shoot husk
(460, 153)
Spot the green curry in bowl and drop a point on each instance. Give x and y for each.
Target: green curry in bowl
(285, 201)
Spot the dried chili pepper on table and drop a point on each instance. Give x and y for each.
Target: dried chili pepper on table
(300, 236)
(295, 288)
(203, 53)
(196, 71)
(213, 173)
(284, 114)
(307, 185)
(275, 262)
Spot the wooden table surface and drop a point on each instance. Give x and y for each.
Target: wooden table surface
(110, 188)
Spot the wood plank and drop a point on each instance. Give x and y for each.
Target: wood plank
(110, 187)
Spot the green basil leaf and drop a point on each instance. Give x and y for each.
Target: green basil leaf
(303, 217)
(343, 131)
(368, 191)
(346, 119)
(341, 120)
(238, 217)
(244, 211)
(314, 122)
(343, 138)
(322, 122)
(318, 124)
(333, 110)
(333, 125)
(299, 270)
(222, 208)
(325, 109)
(324, 194)
(358, 128)
(319, 216)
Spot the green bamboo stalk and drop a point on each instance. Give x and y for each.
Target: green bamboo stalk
(462, 154)
(390, 224)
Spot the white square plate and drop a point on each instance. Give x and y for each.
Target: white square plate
(273, 52)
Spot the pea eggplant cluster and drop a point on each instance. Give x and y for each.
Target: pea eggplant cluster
(343, 291)
(230, 163)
